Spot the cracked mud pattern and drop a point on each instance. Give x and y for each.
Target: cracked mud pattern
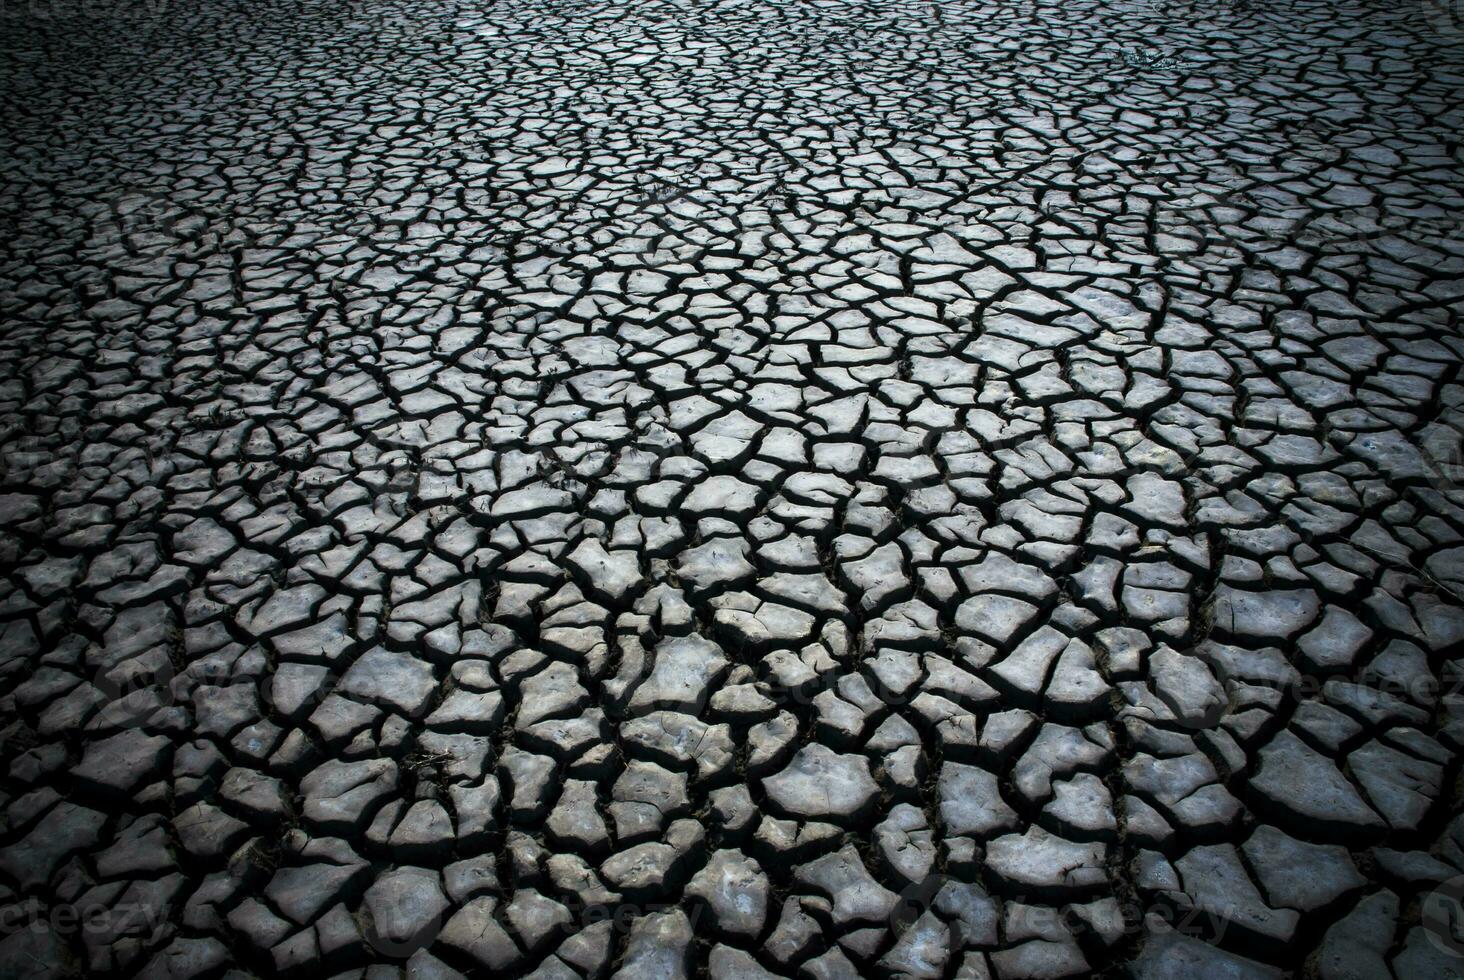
(732, 490)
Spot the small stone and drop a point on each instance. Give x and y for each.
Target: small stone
(737, 891)
(856, 896)
(1309, 792)
(971, 804)
(659, 946)
(821, 784)
(1044, 864)
(681, 679)
(405, 911)
(1298, 875)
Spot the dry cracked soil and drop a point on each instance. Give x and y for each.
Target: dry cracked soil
(731, 489)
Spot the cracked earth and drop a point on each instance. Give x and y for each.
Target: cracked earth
(733, 490)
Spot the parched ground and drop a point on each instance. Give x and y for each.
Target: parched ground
(731, 489)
